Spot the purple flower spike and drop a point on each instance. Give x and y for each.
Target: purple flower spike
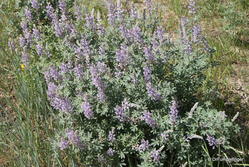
(143, 146)
(39, 49)
(28, 14)
(155, 155)
(147, 74)
(22, 41)
(87, 109)
(122, 56)
(212, 142)
(110, 152)
(147, 117)
(36, 34)
(111, 135)
(35, 4)
(152, 92)
(149, 55)
(62, 6)
(74, 138)
(173, 114)
(63, 144)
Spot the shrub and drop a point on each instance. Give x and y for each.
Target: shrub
(122, 89)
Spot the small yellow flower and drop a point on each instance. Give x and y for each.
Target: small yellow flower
(22, 67)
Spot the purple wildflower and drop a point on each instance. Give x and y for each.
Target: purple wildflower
(196, 31)
(78, 70)
(111, 135)
(111, 14)
(63, 144)
(28, 14)
(110, 152)
(155, 155)
(165, 136)
(52, 74)
(78, 13)
(149, 55)
(62, 6)
(87, 108)
(152, 92)
(28, 36)
(84, 50)
(74, 138)
(159, 34)
(135, 33)
(36, 34)
(143, 146)
(122, 56)
(173, 114)
(58, 28)
(65, 67)
(22, 41)
(147, 117)
(52, 88)
(66, 105)
(120, 113)
(35, 4)
(147, 74)
(50, 12)
(90, 21)
(192, 7)
(97, 82)
(148, 4)
(39, 49)
(24, 25)
(212, 142)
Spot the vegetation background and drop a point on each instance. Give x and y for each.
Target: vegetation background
(27, 122)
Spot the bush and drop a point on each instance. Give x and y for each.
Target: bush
(122, 89)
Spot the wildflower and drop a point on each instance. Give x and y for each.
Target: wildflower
(147, 117)
(192, 7)
(149, 55)
(50, 12)
(39, 49)
(143, 146)
(28, 14)
(74, 138)
(63, 144)
(22, 67)
(173, 114)
(155, 155)
(35, 4)
(22, 41)
(212, 142)
(87, 109)
(122, 56)
(111, 135)
(78, 70)
(62, 6)
(52, 88)
(120, 113)
(152, 92)
(196, 31)
(36, 34)
(147, 74)
(65, 67)
(24, 25)
(110, 152)
(97, 81)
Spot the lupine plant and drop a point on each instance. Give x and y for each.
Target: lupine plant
(122, 88)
